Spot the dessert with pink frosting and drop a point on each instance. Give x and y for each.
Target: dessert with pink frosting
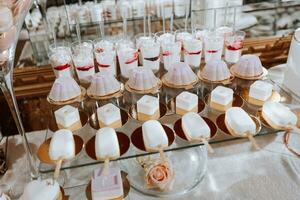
(171, 53)
(215, 70)
(180, 75)
(61, 61)
(233, 47)
(142, 78)
(192, 52)
(248, 66)
(103, 84)
(140, 41)
(128, 58)
(105, 56)
(64, 89)
(213, 45)
(151, 55)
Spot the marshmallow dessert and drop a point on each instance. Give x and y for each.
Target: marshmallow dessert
(221, 98)
(248, 66)
(278, 116)
(64, 89)
(180, 74)
(142, 79)
(215, 71)
(186, 102)
(109, 115)
(261, 91)
(107, 144)
(68, 117)
(239, 123)
(194, 127)
(62, 145)
(107, 186)
(148, 108)
(42, 189)
(103, 84)
(154, 136)
(192, 52)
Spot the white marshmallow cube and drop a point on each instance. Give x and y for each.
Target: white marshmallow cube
(222, 95)
(261, 90)
(194, 126)
(62, 145)
(187, 101)
(109, 114)
(107, 144)
(67, 116)
(154, 135)
(148, 105)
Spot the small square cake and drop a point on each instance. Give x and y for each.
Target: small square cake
(107, 144)
(109, 115)
(186, 102)
(68, 117)
(221, 98)
(107, 186)
(148, 108)
(261, 90)
(154, 135)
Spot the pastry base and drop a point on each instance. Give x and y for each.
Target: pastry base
(261, 76)
(145, 117)
(151, 90)
(171, 85)
(70, 101)
(75, 126)
(108, 96)
(116, 124)
(220, 107)
(224, 82)
(180, 111)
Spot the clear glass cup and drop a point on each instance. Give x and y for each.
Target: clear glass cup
(151, 55)
(192, 52)
(60, 57)
(182, 35)
(128, 59)
(83, 59)
(164, 37)
(224, 31)
(213, 45)
(139, 40)
(171, 53)
(234, 46)
(101, 45)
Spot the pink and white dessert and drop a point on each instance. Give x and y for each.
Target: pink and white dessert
(128, 58)
(151, 55)
(142, 78)
(213, 45)
(102, 46)
(180, 75)
(171, 54)
(215, 70)
(165, 37)
(248, 66)
(103, 84)
(64, 89)
(106, 62)
(107, 186)
(61, 61)
(140, 40)
(234, 46)
(192, 52)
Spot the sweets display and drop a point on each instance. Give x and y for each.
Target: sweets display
(154, 136)
(42, 189)
(148, 108)
(107, 186)
(238, 122)
(107, 144)
(186, 102)
(109, 115)
(215, 70)
(260, 90)
(278, 116)
(194, 127)
(62, 145)
(221, 98)
(64, 89)
(248, 66)
(103, 84)
(142, 79)
(68, 117)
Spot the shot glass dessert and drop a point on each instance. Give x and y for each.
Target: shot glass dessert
(192, 52)
(105, 55)
(233, 46)
(213, 45)
(151, 55)
(140, 39)
(128, 59)
(83, 59)
(61, 60)
(171, 54)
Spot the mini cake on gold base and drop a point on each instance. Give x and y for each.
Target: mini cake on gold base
(221, 98)
(68, 117)
(148, 108)
(186, 102)
(109, 115)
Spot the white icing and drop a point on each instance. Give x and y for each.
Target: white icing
(194, 126)
(222, 95)
(37, 190)
(148, 105)
(67, 115)
(109, 114)
(186, 101)
(279, 114)
(154, 135)
(104, 83)
(239, 121)
(62, 145)
(261, 90)
(107, 144)
(64, 88)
